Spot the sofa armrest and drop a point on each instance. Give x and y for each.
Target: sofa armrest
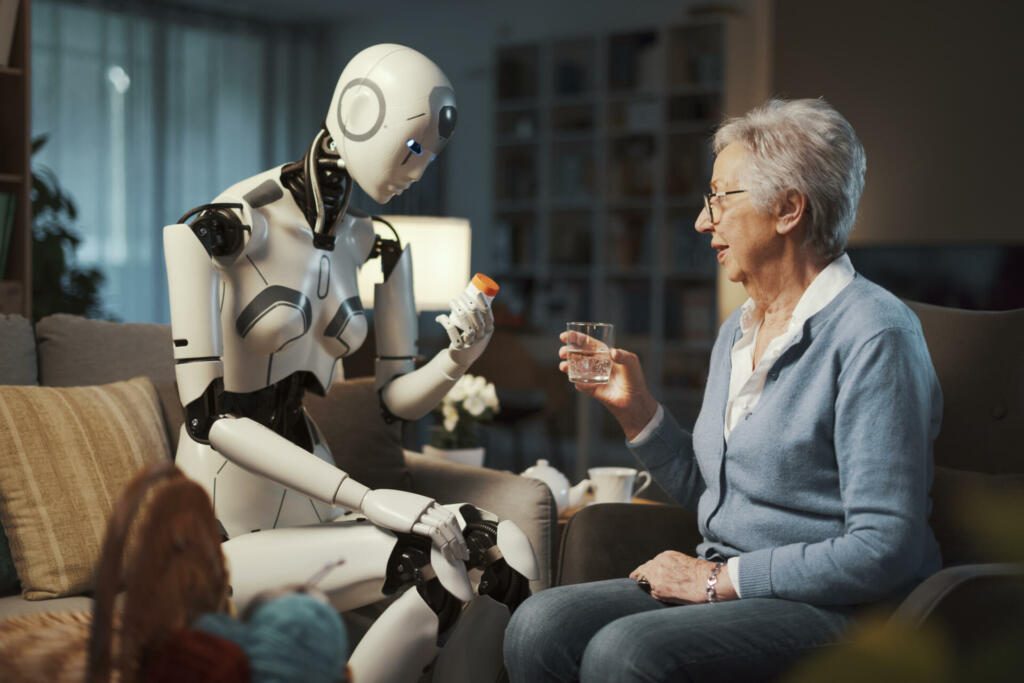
(610, 540)
(527, 502)
(967, 596)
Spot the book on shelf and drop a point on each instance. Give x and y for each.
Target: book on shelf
(8, 19)
(8, 203)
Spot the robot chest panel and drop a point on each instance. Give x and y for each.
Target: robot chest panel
(287, 297)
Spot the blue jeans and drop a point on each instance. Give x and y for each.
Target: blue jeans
(614, 631)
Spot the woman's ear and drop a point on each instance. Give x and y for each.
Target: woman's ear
(791, 210)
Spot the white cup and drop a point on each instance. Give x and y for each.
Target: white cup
(615, 484)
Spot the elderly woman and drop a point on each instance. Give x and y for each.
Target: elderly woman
(810, 463)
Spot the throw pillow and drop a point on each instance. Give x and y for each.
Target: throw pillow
(67, 454)
(362, 443)
(74, 351)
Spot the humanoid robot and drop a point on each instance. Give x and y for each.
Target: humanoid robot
(264, 307)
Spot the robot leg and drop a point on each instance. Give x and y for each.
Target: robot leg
(404, 640)
(473, 649)
(400, 644)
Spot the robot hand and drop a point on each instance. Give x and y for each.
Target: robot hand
(469, 326)
(413, 513)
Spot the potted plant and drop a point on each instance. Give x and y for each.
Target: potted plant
(467, 405)
(58, 284)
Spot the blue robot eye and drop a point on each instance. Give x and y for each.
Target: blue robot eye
(414, 146)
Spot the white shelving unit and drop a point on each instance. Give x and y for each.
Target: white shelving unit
(602, 152)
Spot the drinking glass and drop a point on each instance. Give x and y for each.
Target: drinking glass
(590, 347)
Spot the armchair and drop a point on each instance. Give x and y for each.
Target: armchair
(978, 458)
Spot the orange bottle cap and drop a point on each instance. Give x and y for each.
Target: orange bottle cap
(485, 284)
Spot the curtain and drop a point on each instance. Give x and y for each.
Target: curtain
(150, 112)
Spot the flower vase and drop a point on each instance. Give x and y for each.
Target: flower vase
(466, 456)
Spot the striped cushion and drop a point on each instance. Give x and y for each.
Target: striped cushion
(66, 453)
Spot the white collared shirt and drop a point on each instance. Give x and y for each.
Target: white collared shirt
(746, 383)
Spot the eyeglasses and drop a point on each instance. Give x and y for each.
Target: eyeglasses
(710, 197)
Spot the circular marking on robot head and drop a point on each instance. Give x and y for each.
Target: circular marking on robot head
(381, 108)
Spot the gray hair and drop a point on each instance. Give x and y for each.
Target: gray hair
(808, 146)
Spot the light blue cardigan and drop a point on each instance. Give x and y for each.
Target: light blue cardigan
(822, 490)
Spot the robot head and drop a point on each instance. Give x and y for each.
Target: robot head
(392, 113)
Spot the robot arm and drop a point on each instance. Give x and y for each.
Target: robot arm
(195, 327)
(407, 393)
(261, 451)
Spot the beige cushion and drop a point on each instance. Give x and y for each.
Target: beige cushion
(74, 351)
(67, 453)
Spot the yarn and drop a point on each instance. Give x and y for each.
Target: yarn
(291, 638)
(191, 655)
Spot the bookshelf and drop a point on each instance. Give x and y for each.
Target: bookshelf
(15, 166)
(602, 150)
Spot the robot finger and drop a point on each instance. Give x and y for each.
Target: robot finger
(449, 526)
(460, 312)
(451, 550)
(488, 321)
(440, 514)
(441, 524)
(431, 532)
(480, 322)
(452, 318)
(453, 332)
(474, 326)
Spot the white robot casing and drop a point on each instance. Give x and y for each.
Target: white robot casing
(390, 92)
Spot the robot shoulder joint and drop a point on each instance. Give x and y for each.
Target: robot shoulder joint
(218, 228)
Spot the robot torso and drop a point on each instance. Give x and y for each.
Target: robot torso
(285, 305)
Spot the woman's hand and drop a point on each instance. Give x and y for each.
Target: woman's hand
(678, 578)
(625, 394)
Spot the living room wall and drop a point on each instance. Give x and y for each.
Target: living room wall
(933, 90)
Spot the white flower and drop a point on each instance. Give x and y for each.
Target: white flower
(449, 411)
(451, 422)
(476, 385)
(490, 396)
(475, 406)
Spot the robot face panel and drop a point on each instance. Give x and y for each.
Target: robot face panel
(392, 113)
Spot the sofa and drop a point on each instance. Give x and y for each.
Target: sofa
(68, 351)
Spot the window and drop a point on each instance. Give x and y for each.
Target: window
(149, 113)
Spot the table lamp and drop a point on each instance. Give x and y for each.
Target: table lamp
(440, 259)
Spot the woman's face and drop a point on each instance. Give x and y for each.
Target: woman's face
(742, 237)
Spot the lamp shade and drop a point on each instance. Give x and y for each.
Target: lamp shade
(440, 259)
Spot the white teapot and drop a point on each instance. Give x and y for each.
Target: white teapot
(565, 496)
